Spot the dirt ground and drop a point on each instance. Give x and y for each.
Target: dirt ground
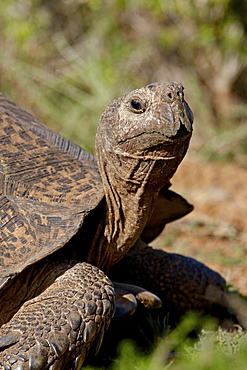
(215, 233)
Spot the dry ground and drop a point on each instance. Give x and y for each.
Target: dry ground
(215, 233)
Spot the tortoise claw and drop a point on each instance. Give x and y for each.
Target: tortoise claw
(148, 299)
(38, 357)
(89, 331)
(58, 342)
(11, 338)
(99, 339)
(80, 359)
(127, 296)
(125, 304)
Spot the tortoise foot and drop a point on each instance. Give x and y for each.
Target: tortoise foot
(182, 283)
(127, 296)
(58, 328)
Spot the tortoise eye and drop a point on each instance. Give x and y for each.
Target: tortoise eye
(137, 106)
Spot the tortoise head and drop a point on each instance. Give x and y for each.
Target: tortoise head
(141, 139)
(149, 127)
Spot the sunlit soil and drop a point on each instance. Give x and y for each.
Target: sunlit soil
(215, 233)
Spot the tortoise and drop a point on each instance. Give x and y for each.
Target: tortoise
(68, 218)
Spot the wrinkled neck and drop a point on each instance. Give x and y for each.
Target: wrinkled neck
(130, 196)
(129, 205)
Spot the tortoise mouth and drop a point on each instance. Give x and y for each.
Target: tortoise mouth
(154, 145)
(159, 137)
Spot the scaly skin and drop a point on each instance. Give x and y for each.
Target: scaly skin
(56, 329)
(182, 283)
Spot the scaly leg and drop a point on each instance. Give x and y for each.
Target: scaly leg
(57, 329)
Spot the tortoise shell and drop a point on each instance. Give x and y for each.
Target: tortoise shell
(47, 186)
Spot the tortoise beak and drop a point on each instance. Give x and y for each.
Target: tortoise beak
(178, 120)
(190, 118)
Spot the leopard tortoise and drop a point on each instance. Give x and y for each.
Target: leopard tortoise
(67, 217)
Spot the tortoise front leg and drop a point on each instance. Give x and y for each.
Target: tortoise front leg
(57, 329)
(182, 283)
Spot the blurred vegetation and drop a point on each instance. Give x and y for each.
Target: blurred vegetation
(66, 60)
(219, 350)
(214, 350)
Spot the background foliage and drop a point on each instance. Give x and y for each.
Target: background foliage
(66, 60)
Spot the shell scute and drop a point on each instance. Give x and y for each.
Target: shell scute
(47, 186)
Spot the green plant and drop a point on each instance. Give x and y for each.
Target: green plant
(212, 350)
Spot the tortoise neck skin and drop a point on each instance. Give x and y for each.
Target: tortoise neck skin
(141, 139)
